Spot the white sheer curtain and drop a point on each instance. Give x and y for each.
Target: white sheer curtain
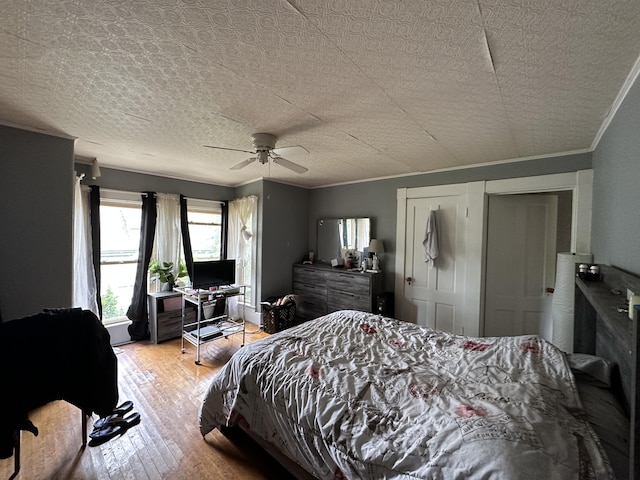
(168, 241)
(84, 279)
(241, 245)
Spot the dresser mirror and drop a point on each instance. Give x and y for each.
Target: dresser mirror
(336, 234)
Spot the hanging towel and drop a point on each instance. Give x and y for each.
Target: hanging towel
(430, 241)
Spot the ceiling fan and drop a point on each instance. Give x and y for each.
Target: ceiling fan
(264, 144)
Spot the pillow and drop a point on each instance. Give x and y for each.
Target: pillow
(590, 369)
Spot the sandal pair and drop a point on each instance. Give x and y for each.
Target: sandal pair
(114, 424)
(112, 427)
(119, 411)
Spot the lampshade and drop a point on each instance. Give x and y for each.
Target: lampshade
(376, 246)
(95, 169)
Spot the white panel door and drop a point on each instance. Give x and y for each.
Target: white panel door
(521, 256)
(434, 295)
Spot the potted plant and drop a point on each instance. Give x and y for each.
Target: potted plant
(163, 271)
(182, 272)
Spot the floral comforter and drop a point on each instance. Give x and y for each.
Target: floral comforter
(357, 395)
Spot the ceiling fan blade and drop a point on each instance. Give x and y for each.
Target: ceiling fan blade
(244, 163)
(293, 150)
(290, 165)
(231, 149)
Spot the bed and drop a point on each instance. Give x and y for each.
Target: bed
(357, 395)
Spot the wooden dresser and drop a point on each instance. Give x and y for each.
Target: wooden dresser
(323, 289)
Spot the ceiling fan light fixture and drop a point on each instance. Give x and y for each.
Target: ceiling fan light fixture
(263, 156)
(264, 144)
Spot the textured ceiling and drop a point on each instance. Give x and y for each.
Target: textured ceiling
(370, 88)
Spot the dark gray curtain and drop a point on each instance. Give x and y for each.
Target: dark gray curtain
(94, 210)
(224, 229)
(186, 239)
(138, 310)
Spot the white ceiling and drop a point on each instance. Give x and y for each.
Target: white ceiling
(371, 88)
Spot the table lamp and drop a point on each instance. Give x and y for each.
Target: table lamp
(375, 247)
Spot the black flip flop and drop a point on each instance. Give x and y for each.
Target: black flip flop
(104, 434)
(124, 407)
(112, 429)
(124, 422)
(129, 421)
(119, 411)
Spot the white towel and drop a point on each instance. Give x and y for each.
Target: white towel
(430, 241)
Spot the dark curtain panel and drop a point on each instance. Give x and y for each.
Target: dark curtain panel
(94, 207)
(186, 239)
(224, 229)
(138, 310)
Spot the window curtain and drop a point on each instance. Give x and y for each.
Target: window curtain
(241, 245)
(84, 276)
(186, 239)
(168, 239)
(138, 311)
(94, 205)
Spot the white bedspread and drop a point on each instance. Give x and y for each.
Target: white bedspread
(356, 395)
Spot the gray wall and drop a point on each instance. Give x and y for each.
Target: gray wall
(284, 240)
(282, 233)
(378, 199)
(35, 214)
(615, 237)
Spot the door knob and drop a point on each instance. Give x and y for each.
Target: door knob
(408, 280)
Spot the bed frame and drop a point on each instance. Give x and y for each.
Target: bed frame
(603, 328)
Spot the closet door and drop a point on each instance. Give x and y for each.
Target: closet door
(521, 256)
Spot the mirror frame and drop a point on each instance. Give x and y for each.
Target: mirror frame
(327, 249)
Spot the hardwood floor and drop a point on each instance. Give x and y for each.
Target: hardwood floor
(166, 388)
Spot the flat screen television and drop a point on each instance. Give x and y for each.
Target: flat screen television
(213, 273)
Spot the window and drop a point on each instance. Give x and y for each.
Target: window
(205, 229)
(120, 215)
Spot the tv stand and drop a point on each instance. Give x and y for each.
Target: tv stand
(204, 330)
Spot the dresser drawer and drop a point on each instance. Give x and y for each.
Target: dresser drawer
(170, 323)
(345, 300)
(312, 299)
(310, 290)
(310, 310)
(353, 283)
(310, 276)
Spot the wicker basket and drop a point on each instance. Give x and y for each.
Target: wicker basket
(276, 318)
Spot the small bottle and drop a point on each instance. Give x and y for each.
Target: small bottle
(583, 268)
